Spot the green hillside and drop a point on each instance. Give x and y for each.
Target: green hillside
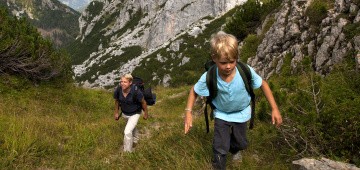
(66, 127)
(73, 128)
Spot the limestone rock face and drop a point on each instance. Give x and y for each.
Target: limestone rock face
(163, 22)
(292, 34)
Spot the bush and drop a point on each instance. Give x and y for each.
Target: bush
(352, 30)
(340, 119)
(321, 114)
(316, 12)
(248, 17)
(24, 52)
(251, 42)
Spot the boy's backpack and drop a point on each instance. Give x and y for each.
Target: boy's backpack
(211, 82)
(149, 96)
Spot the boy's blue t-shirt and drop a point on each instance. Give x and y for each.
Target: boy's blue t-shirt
(232, 101)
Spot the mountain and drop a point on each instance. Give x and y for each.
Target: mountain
(118, 36)
(52, 18)
(78, 5)
(166, 42)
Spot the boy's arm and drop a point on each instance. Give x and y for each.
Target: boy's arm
(144, 107)
(188, 109)
(275, 113)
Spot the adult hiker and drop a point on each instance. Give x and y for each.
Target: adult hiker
(131, 102)
(231, 105)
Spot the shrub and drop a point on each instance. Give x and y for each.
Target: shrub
(251, 42)
(340, 119)
(248, 17)
(352, 30)
(320, 114)
(316, 12)
(24, 52)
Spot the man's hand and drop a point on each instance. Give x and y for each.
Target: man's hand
(146, 116)
(116, 116)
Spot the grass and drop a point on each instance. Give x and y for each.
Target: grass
(52, 127)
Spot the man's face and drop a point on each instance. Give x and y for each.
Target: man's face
(225, 66)
(125, 83)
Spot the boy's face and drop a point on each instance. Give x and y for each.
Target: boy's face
(125, 83)
(226, 66)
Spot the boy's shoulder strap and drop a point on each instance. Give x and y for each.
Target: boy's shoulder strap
(245, 74)
(211, 82)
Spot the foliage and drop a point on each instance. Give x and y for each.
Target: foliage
(351, 30)
(94, 8)
(60, 23)
(251, 42)
(24, 52)
(248, 17)
(317, 11)
(340, 122)
(320, 114)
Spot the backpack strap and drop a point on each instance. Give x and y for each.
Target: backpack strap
(135, 90)
(211, 83)
(245, 73)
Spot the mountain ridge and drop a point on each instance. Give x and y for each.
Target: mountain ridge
(120, 37)
(52, 18)
(147, 25)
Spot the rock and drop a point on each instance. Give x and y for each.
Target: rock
(327, 44)
(322, 164)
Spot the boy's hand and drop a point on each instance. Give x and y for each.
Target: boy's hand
(188, 122)
(276, 117)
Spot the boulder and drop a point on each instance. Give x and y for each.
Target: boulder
(322, 164)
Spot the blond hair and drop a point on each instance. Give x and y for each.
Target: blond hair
(128, 77)
(224, 45)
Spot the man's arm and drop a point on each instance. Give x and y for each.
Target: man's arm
(116, 112)
(275, 113)
(144, 107)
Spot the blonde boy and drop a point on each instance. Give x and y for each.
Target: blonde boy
(232, 101)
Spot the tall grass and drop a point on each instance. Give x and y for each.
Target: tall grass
(49, 127)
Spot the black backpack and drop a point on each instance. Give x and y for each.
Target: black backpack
(211, 82)
(138, 84)
(149, 96)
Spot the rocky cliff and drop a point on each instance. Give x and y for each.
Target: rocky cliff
(157, 25)
(291, 33)
(134, 33)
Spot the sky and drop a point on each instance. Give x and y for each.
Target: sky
(76, 4)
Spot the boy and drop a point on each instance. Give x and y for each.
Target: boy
(232, 101)
(131, 108)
